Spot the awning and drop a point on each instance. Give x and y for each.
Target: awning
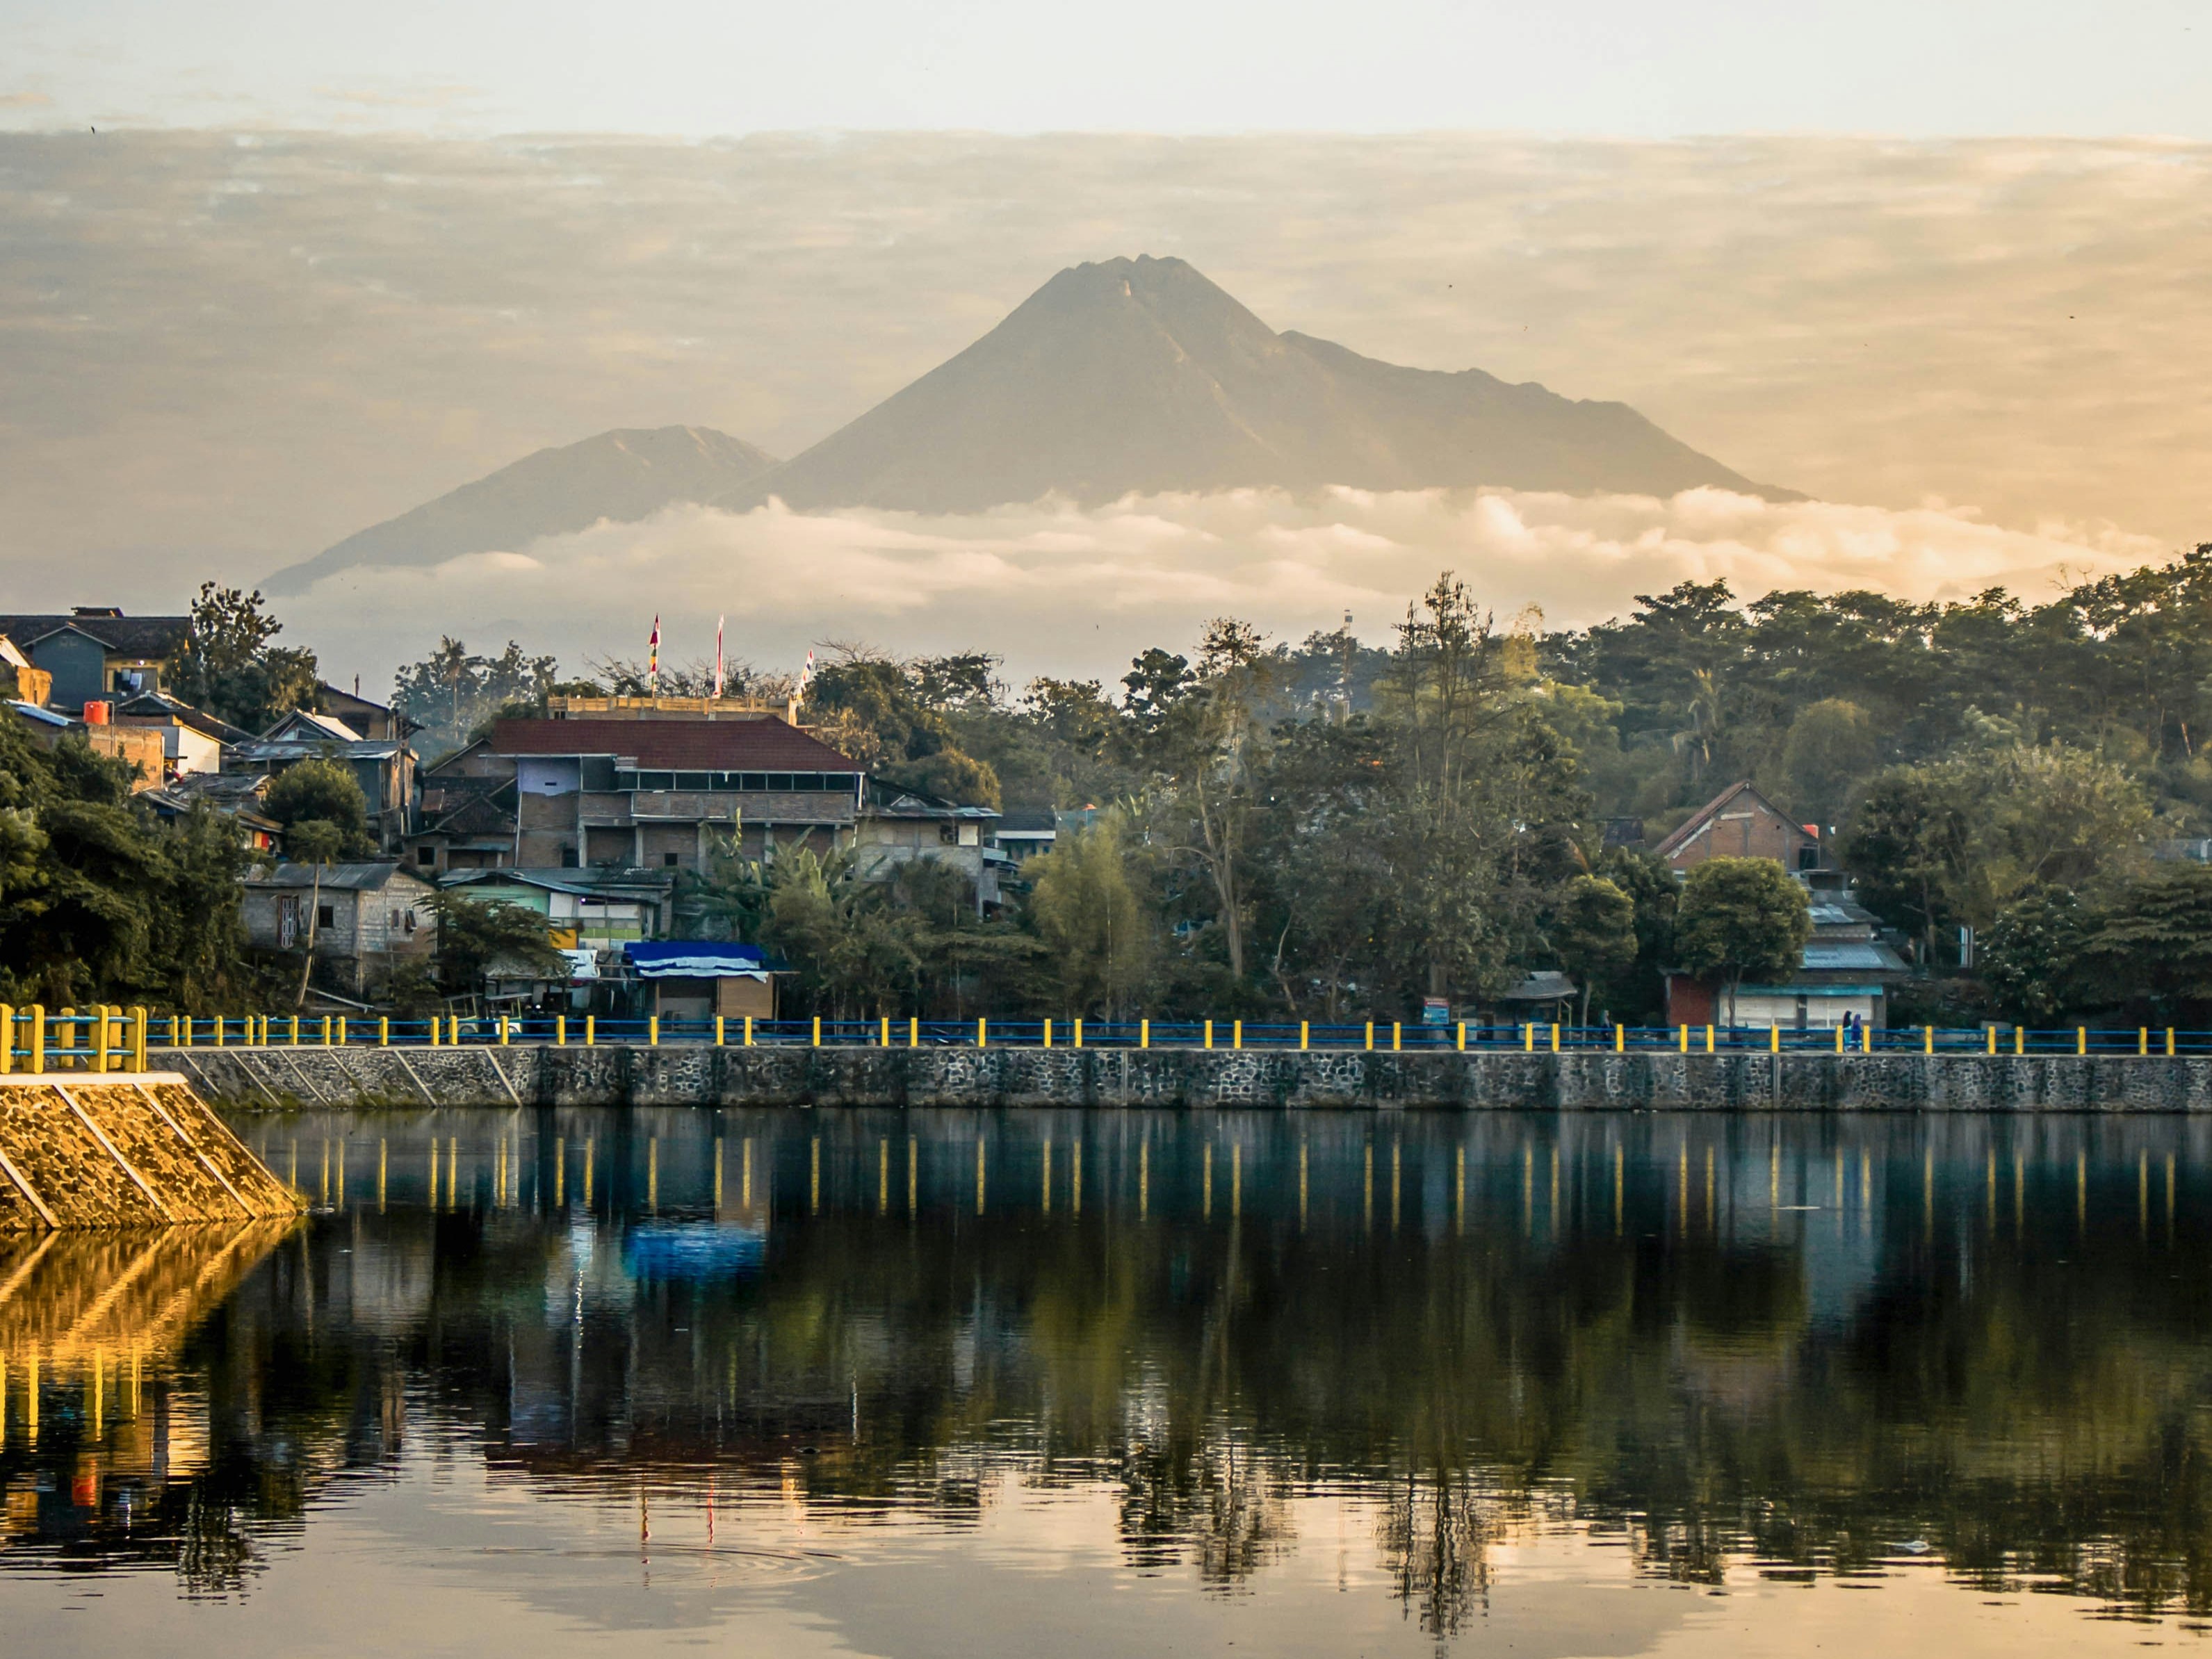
(695, 959)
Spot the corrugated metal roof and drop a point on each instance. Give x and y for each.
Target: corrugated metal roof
(760, 746)
(339, 878)
(1851, 955)
(130, 637)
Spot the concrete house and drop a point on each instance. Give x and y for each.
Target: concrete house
(365, 920)
(193, 739)
(601, 909)
(96, 654)
(384, 766)
(900, 826)
(643, 793)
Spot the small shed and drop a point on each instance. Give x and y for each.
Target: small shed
(364, 919)
(695, 979)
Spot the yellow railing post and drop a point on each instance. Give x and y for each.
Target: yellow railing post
(1527, 1038)
(2020, 1039)
(137, 1039)
(1144, 1034)
(1928, 1039)
(559, 1031)
(453, 1029)
(1209, 1034)
(884, 1035)
(2081, 1039)
(653, 1031)
(296, 1029)
(98, 1037)
(384, 1031)
(1397, 1028)
(1773, 1038)
(218, 1023)
(1684, 1033)
(1304, 1032)
(2169, 1043)
(818, 1031)
(1236, 1034)
(1047, 1034)
(1709, 1039)
(437, 1035)
(1370, 1037)
(1078, 1030)
(590, 1030)
(504, 1029)
(749, 1031)
(1555, 1037)
(1462, 1043)
(342, 1030)
(2142, 1039)
(983, 1036)
(38, 1044)
(1993, 1039)
(1840, 1039)
(7, 1039)
(718, 1020)
(913, 1030)
(1619, 1038)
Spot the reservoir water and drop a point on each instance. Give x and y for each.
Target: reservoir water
(972, 1384)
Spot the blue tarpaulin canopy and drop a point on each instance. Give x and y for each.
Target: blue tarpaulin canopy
(676, 958)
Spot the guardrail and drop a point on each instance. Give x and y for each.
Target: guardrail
(106, 1038)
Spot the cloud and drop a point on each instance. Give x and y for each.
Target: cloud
(25, 100)
(1059, 589)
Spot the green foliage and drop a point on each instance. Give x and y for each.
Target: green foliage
(230, 666)
(320, 792)
(451, 694)
(99, 901)
(2149, 941)
(478, 938)
(1594, 931)
(1741, 919)
(901, 720)
(1087, 910)
(1831, 748)
(2030, 958)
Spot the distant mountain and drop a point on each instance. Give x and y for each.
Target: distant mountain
(622, 475)
(1141, 375)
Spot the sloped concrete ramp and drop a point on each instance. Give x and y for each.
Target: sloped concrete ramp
(123, 1150)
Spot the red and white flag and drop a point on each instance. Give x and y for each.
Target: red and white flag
(719, 621)
(652, 657)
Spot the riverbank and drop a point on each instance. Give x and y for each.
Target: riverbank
(285, 1078)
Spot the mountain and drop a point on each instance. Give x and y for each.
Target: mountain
(624, 476)
(1140, 375)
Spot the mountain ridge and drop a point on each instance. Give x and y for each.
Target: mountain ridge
(1121, 377)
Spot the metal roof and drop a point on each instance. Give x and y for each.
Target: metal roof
(1851, 956)
(130, 637)
(752, 745)
(335, 877)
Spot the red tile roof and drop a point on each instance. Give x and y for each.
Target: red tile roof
(756, 745)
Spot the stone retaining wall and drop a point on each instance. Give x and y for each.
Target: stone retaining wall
(695, 1075)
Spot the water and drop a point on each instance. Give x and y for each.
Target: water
(972, 1384)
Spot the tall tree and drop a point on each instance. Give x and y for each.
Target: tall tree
(1741, 919)
(1088, 911)
(230, 665)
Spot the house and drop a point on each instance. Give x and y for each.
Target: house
(1844, 972)
(637, 792)
(96, 652)
(367, 719)
(898, 826)
(384, 766)
(193, 739)
(235, 795)
(21, 680)
(364, 921)
(1024, 831)
(688, 979)
(601, 909)
(461, 822)
(1740, 823)
(141, 750)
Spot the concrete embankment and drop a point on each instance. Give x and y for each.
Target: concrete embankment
(697, 1075)
(129, 1150)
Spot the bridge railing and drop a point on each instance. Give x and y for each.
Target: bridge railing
(105, 1038)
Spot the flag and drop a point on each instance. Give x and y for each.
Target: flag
(806, 674)
(652, 657)
(719, 621)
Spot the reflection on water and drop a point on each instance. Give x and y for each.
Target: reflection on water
(1319, 1380)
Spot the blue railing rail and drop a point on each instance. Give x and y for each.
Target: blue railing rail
(109, 1038)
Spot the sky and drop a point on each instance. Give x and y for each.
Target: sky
(698, 67)
(1939, 267)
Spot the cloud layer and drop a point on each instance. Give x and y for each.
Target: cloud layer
(1062, 590)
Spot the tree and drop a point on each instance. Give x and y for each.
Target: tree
(2031, 955)
(1741, 919)
(1595, 932)
(228, 666)
(2150, 936)
(451, 693)
(1831, 748)
(321, 791)
(314, 842)
(1088, 911)
(477, 936)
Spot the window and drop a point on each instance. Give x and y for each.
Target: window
(411, 921)
(949, 834)
(755, 781)
(392, 921)
(326, 916)
(569, 857)
(695, 780)
(656, 779)
(668, 860)
(779, 781)
(426, 856)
